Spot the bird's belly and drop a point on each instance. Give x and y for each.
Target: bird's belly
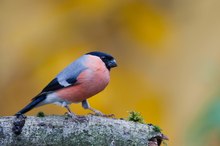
(88, 85)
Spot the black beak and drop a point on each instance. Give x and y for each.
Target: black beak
(112, 63)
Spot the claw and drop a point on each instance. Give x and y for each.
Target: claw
(77, 119)
(110, 116)
(98, 113)
(102, 115)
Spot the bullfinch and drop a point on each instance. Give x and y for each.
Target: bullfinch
(83, 78)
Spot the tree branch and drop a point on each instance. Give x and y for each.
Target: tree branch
(61, 130)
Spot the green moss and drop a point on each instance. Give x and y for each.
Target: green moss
(157, 128)
(135, 117)
(40, 114)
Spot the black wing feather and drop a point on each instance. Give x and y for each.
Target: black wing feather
(52, 86)
(55, 85)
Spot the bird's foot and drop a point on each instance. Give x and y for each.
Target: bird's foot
(98, 113)
(76, 118)
(109, 115)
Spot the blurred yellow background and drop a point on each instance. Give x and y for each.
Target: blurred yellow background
(168, 54)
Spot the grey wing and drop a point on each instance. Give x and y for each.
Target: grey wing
(67, 77)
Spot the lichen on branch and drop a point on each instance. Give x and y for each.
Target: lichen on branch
(62, 130)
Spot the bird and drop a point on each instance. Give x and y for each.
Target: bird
(82, 79)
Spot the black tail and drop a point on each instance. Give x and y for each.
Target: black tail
(33, 104)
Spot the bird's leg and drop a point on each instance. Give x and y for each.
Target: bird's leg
(70, 113)
(97, 112)
(86, 105)
(74, 116)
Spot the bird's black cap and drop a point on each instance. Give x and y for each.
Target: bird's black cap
(106, 58)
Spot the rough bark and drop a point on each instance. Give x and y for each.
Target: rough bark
(60, 130)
